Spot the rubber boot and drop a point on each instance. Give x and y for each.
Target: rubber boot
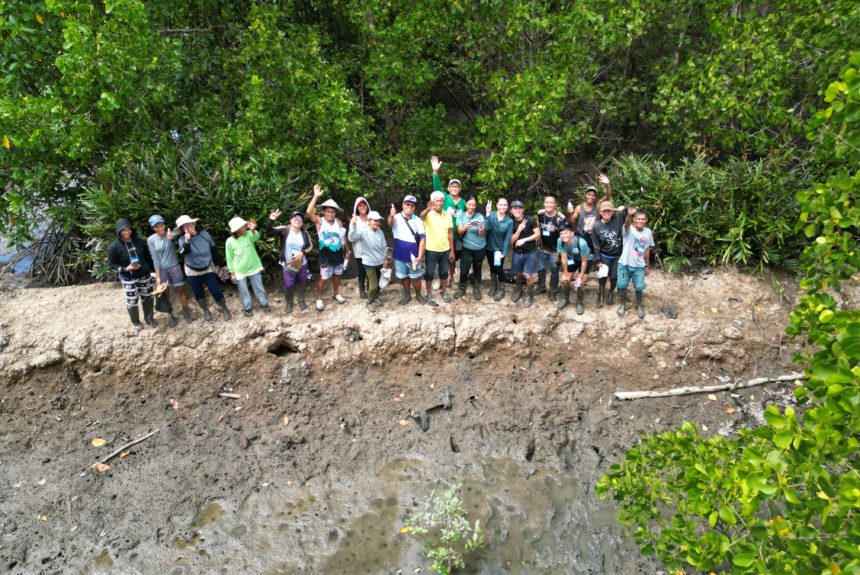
(476, 291)
(499, 293)
(640, 307)
(186, 313)
(207, 315)
(148, 305)
(407, 297)
(134, 314)
(288, 306)
(461, 289)
(224, 311)
(362, 289)
(610, 297)
(301, 290)
(622, 309)
(553, 288)
(565, 297)
(540, 284)
(601, 292)
(171, 320)
(530, 296)
(494, 286)
(580, 305)
(518, 291)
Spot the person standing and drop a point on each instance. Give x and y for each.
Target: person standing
(607, 240)
(470, 226)
(201, 263)
(334, 249)
(295, 246)
(361, 209)
(440, 246)
(162, 247)
(454, 204)
(499, 227)
(585, 215)
(409, 246)
(524, 262)
(129, 256)
(374, 247)
(244, 264)
(635, 259)
(550, 222)
(575, 264)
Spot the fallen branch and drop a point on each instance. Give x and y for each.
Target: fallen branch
(124, 447)
(230, 395)
(705, 389)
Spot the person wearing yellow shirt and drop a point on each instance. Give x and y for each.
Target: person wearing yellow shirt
(439, 245)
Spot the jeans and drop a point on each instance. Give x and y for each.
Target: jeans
(256, 282)
(404, 270)
(471, 259)
(552, 259)
(524, 263)
(433, 259)
(625, 273)
(210, 280)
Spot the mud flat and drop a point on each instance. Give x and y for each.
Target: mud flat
(309, 469)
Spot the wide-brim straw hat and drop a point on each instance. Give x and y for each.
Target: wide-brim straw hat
(330, 204)
(236, 224)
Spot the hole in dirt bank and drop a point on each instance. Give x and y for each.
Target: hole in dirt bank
(282, 347)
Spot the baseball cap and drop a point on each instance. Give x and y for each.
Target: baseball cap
(410, 199)
(297, 213)
(517, 204)
(590, 189)
(374, 215)
(607, 206)
(155, 219)
(454, 181)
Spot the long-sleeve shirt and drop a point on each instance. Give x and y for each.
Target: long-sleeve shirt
(200, 252)
(373, 244)
(163, 251)
(498, 233)
(242, 258)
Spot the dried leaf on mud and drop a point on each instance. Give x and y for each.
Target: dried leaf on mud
(403, 422)
(43, 481)
(397, 400)
(174, 403)
(124, 454)
(43, 517)
(101, 467)
(98, 442)
(220, 418)
(712, 397)
(404, 530)
(286, 420)
(730, 410)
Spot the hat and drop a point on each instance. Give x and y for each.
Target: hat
(607, 205)
(374, 215)
(437, 195)
(330, 204)
(590, 189)
(236, 224)
(185, 220)
(410, 199)
(517, 204)
(454, 181)
(156, 219)
(297, 213)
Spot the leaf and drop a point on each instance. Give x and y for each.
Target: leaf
(6, 143)
(712, 397)
(403, 422)
(730, 410)
(404, 530)
(43, 481)
(715, 310)
(98, 442)
(783, 439)
(743, 559)
(101, 467)
(43, 517)
(286, 420)
(124, 454)
(40, 19)
(174, 403)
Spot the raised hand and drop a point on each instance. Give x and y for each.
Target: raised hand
(392, 211)
(187, 237)
(603, 179)
(435, 163)
(252, 224)
(317, 190)
(631, 210)
(489, 206)
(275, 215)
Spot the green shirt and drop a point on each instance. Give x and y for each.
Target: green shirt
(452, 207)
(242, 258)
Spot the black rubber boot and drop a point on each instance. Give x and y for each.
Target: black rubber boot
(301, 289)
(553, 288)
(601, 292)
(171, 321)
(288, 306)
(134, 314)
(499, 293)
(148, 305)
(207, 315)
(622, 309)
(610, 297)
(540, 284)
(461, 289)
(476, 291)
(530, 296)
(494, 286)
(186, 313)
(407, 297)
(640, 307)
(565, 297)
(518, 291)
(224, 311)
(580, 305)
(362, 288)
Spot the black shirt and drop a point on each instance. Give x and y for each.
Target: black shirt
(528, 231)
(608, 238)
(550, 229)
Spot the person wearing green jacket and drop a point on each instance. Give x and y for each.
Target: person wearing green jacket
(244, 264)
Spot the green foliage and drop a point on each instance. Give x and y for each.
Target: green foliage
(732, 213)
(445, 533)
(783, 497)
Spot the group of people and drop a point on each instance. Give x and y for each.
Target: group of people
(590, 237)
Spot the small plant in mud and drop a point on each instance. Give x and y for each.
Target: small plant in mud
(445, 533)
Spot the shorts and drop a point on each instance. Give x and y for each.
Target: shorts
(173, 276)
(327, 271)
(524, 263)
(404, 270)
(433, 259)
(626, 273)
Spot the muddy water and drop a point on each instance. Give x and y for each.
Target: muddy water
(534, 521)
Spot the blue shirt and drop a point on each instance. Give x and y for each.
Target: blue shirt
(472, 239)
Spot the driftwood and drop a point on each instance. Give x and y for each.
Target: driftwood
(124, 447)
(230, 395)
(707, 388)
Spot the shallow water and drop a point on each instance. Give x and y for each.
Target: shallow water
(534, 521)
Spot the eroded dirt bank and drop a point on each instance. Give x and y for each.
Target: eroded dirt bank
(227, 486)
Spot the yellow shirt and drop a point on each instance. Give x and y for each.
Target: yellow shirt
(436, 227)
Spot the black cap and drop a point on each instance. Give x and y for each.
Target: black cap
(297, 213)
(517, 204)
